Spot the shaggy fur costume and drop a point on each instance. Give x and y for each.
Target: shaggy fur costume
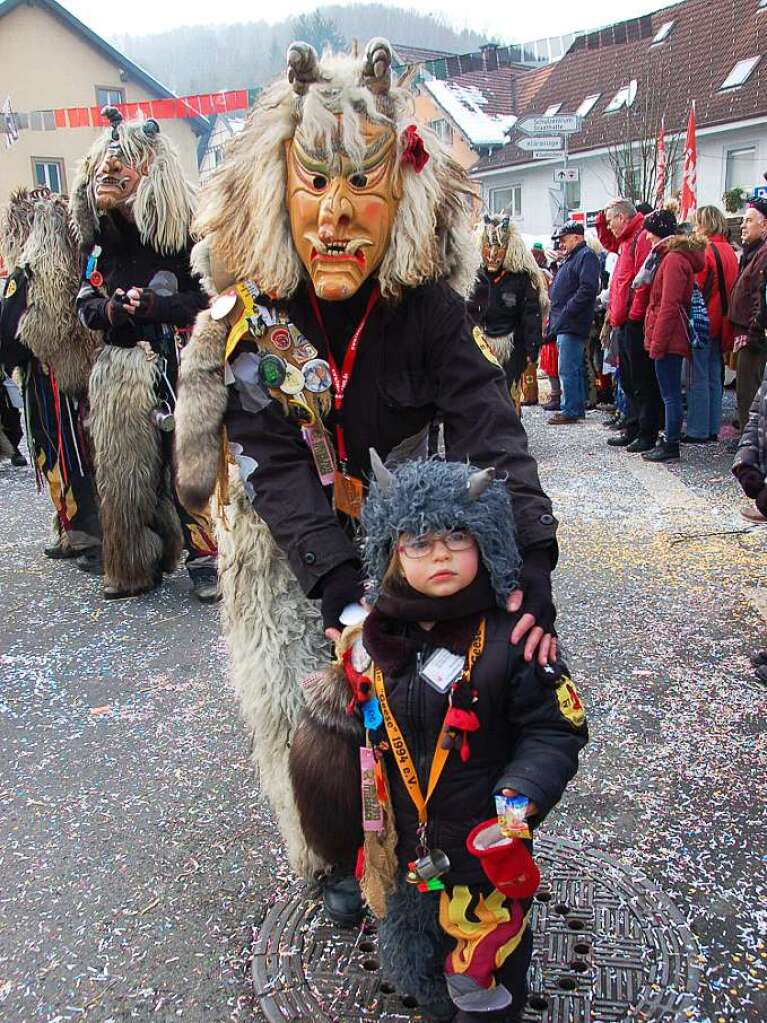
(275, 638)
(433, 496)
(37, 232)
(412, 948)
(140, 526)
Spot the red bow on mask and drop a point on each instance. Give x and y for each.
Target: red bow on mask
(413, 149)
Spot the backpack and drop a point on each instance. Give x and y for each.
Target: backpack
(698, 323)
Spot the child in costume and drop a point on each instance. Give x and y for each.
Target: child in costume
(455, 717)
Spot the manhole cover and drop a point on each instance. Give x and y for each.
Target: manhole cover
(608, 947)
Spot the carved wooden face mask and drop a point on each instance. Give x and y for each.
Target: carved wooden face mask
(341, 212)
(115, 181)
(495, 242)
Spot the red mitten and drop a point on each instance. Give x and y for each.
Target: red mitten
(506, 861)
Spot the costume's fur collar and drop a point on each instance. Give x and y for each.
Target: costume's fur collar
(391, 644)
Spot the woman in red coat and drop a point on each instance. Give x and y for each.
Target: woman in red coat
(672, 265)
(704, 395)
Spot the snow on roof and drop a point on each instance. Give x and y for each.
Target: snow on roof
(464, 103)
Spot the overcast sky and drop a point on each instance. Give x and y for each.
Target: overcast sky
(510, 20)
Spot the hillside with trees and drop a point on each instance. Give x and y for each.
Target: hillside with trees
(202, 58)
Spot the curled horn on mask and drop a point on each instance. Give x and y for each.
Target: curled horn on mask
(376, 71)
(478, 482)
(303, 67)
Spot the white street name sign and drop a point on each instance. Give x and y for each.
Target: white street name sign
(539, 142)
(564, 124)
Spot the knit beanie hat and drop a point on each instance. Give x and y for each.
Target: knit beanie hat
(759, 204)
(429, 495)
(661, 223)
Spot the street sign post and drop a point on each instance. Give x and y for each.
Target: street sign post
(540, 142)
(563, 124)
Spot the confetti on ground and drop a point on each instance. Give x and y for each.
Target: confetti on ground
(137, 858)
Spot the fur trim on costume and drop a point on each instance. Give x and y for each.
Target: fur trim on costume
(429, 496)
(200, 409)
(501, 347)
(275, 639)
(163, 202)
(325, 768)
(141, 531)
(243, 207)
(498, 229)
(37, 229)
(412, 947)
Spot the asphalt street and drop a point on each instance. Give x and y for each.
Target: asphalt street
(137, 858)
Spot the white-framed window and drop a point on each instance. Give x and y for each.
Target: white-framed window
(42, 120)
(588, 105)
(740, 168)
(552, 110)
(740, 74)
(48, 172)
(443, 130)
(662, 34)
(508, 199)
(624, 97)
(108, 96)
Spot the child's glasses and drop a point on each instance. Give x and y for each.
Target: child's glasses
(423, 546)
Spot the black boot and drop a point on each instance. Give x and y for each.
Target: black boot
(18, 459)
(759, 659)
(342, 899)
(664, 452)
(622, 440)
(59, 550)
(640, 445)
(90, 561)
(204, 582)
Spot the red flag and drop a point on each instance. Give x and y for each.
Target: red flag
(690, 177)
(163, 108)
(237, 100)
(661, 170)
(60, 117)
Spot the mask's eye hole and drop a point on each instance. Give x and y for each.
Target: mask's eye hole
(358, 180)
(319, 181)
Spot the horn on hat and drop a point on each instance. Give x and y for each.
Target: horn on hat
(303, 66)
(150, 128)
(478, 482)
(376, 71)
(384, 478)
(115, 118)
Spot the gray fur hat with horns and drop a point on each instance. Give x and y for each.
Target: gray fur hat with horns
(429, 495)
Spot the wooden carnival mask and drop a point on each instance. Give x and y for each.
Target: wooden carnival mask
(116, 179)
(342, 210)
(495, 242)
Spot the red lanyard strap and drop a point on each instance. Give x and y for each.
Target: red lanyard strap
(342, 378)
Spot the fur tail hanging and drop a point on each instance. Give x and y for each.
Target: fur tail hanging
(200, 413)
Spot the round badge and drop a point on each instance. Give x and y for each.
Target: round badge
(271, 371)
(293, 382)
(96, 279)
(281, 339)
(317, 376)
(223, 305)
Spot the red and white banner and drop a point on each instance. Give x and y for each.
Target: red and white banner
(690, 176)
(661, 168)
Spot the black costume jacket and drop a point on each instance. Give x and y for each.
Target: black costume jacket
(508, 303)
(126, 262)
(416, 360)
(525, 741)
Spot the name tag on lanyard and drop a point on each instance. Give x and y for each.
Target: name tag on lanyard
(442, 669)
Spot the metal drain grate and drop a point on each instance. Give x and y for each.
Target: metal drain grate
(608, 947)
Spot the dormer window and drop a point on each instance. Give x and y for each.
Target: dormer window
(552, 110)
(740, 74)
(662, 34)
(623, 97)
(589, 103)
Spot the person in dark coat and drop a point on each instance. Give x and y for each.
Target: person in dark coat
(750, 344)
(442, 559)
(510, 300)
(671, 266)
(573, 295)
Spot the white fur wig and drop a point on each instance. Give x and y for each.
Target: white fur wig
(243, 208)
(163, 202)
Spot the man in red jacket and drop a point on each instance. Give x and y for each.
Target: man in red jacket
(620, 229)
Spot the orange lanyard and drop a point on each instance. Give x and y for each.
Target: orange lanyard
(397, 742)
